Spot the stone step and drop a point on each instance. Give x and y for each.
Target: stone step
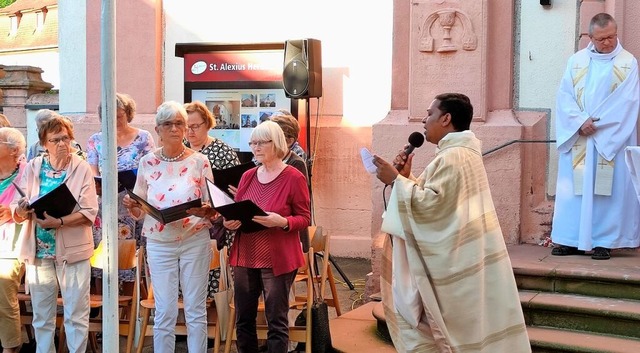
(356, 331)
(536, 269)
(551, 340)
(580, 313)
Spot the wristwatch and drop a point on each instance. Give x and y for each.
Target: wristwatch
(286, 228)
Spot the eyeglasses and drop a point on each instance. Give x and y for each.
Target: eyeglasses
(602, 40)
(168, 125)
(259, 143)
(194, 127)
(57, 140)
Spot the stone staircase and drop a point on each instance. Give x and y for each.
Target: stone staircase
(576, 304)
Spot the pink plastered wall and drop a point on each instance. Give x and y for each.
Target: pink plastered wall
(138, 53)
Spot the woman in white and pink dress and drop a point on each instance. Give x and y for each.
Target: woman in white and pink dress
(179, 252)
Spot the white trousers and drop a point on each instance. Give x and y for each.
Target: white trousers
(73, 279)
(186, 262)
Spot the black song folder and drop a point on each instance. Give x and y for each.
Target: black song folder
(166, 215)
(126, 179)
(58, 202)
(242, 211)
(222, 178)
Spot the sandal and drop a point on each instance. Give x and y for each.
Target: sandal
(563, 250)
(600, 253)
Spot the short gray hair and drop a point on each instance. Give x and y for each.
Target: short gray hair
(14, 138)
(168, 110)
(269, 130)
(44, 115)
(601, 20)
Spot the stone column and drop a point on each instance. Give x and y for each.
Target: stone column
(18, 84)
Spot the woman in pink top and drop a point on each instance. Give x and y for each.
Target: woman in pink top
(266, 261)
(12, 147)
(56, 251)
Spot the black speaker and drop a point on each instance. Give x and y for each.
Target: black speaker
(302, 72)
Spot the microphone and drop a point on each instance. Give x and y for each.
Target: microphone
(416, 140)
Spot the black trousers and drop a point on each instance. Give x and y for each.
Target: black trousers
(249, 283)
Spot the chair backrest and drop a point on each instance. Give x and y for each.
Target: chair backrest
(215, 256)
(316, 238)
(126, 255)
(320, 243)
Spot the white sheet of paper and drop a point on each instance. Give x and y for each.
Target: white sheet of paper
(218, 197)
(367, 160)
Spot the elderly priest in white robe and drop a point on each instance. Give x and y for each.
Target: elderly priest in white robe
(448, 285)
(596, 118)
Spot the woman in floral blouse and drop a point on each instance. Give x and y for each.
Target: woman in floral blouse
(179, 252)
(132, 144)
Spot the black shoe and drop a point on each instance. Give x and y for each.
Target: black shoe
(563, 250)
(600, 253)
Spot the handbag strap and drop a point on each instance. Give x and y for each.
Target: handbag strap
(224, 269)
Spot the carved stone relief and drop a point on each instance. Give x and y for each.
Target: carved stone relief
(447, 20)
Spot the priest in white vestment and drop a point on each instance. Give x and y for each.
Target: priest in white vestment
(596, 118)
(449, 285)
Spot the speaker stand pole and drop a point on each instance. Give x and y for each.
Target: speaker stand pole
(309, 168)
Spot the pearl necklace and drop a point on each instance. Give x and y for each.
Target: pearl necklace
(171, 159)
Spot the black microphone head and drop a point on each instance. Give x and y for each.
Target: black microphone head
(416, 139)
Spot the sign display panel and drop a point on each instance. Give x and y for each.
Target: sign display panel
(238, 111)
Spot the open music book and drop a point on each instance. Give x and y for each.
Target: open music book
(222, 178)
(242, 211)
(126, 179)
(58, 202)
(166, 215)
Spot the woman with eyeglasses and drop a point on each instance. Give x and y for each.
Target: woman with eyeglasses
(266, 261)
(56, 251)
(12, 146)
(132, 143)
(221, 156)
(178, 253)
(199, 122)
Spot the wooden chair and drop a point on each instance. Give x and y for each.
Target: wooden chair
(296, 333)
(148, 304)
(127, 260)
(320, 243)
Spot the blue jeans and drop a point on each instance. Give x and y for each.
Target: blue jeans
(249, 283)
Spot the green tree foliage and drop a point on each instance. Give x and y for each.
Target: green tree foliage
(5, 3)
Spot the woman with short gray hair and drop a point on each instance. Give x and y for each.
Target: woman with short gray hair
(178, 252)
